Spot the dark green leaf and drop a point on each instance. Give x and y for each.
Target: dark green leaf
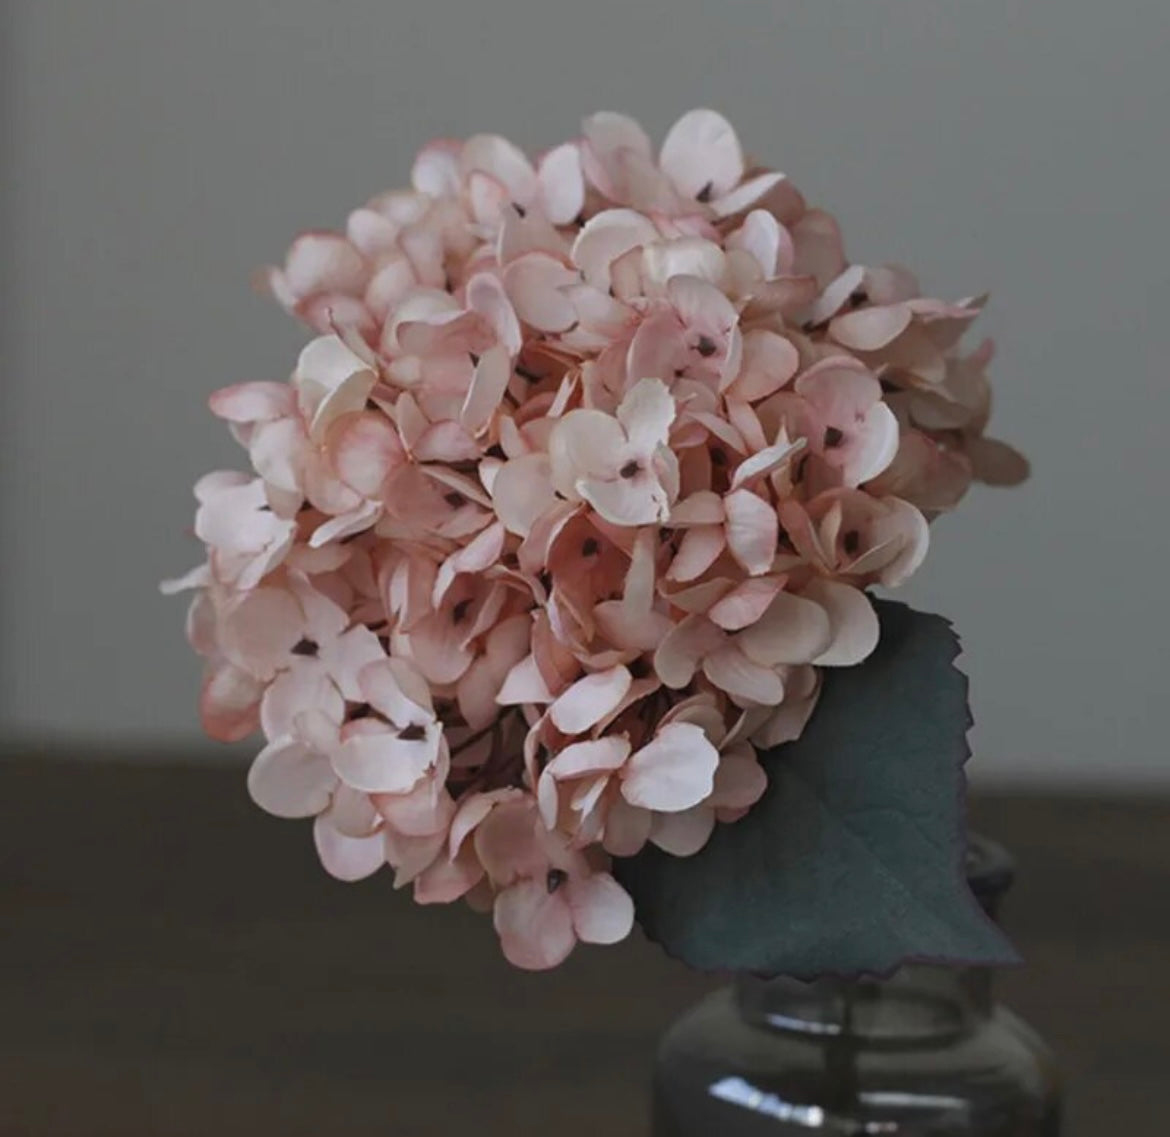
(851, 863)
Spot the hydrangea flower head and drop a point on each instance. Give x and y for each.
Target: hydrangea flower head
(564, 509)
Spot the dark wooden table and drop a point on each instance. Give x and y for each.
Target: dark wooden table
(174, 964)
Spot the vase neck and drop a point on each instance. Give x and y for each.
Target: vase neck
(914, 1005)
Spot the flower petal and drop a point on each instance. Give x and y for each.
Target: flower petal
(589, 700)
(672, 772)
(702, 155)
(753, 530)
(535, 926)
(290, 779)
(792, 630)
(348, 858)
(603, 912)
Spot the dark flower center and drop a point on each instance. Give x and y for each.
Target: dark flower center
(306, 647)
(630, 469)
(704, 195)
(412, 733)
(459, 612)
(555, 878)
(851, 542)
(706, 347)
(590, 547)
(833, 437)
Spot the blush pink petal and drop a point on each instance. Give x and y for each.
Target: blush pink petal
(763, 189)
(383, 762)
(479, 554)
(502, 160)
(752, 531)
(604, 238)
(523, 492)
(348, 858)
(769, 362)
(646, 413)
(290, 779)
(589, 700)
(745, 681)
(535, 283)
(603, 912)
(535, 926)
(524, 684)
(680, 653)
(746, 603)
(229, 703)
(673, 771)
(683, 834)
(487, 296)
(853, 623)
(792, 630)
(702, 155)
(562, 183)
(871, 329)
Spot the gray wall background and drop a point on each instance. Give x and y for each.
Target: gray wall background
(155, 152)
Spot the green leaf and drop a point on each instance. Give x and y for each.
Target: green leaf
(852, 861)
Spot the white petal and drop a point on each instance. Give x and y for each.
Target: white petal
(702, 155)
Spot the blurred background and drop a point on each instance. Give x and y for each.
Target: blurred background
(156, 153)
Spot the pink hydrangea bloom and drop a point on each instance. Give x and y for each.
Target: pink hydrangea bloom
(565, 509)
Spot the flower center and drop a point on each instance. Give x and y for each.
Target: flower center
(307, 648)
(706, 347)
(630, 469)
(555, 878)
(833, 437)
(851, 542)
(412, 733)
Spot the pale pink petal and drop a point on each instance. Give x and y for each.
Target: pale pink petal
(671, 772)
(229, 703)
(881, 435)
(646, 412)
(870, 329)
(627, 828)
(590, 757)
(535, 925)
(908, 528)
(421, 812)
(759, 236)
(603, 912)
(395, 688)
(506, 840)
(792, 630)
(583, 443)
(853, 623)
(385, 762)
(746, 603)
(740, 781)
(481, 553)
(744, 680)
(446, 442)
(702, 508)
(260, 630)
(638, 500)
(684, 256)
(364, 448)
(348, 858)
(679, 654)
(562, 184)
(306, 686)
(702, 155)
(752, 531)
(352, 813)
(771, 189)
(502, 160)
(486, 295)
(332, 380)
(608, 136)
(524, 684)
(324, 262)
(769, 362)
(346, 525)
(605, 237)
(523, 492)
(819, 250)
(766, 461)
(253, 402)
(699, 549)
(290, 779)
(683, 834)
(589, 700)
(535, 282)
(436, 169)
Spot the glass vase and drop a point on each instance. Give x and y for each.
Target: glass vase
(928, 1051)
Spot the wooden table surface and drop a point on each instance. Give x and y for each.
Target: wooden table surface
(173, 963)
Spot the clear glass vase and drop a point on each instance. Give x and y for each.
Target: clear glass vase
(926, 1052)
